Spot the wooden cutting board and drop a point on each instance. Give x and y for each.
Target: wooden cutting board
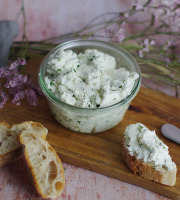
(102, 152)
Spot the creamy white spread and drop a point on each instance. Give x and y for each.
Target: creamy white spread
(146, 146)
(88, 79)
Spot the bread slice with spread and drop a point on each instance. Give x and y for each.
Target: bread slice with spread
(44, 165)
(10, 149)
(146, 155)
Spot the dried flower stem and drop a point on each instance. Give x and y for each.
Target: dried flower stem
(158, 61)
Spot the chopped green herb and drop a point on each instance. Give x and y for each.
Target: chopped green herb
(59, 70)
(77, 66)
(74, 70)
(91, 58)
(160, 143)
(79, 122)
(51, 83)
(59, 59)
(140, 128)
(98, 105)
(114, 98)
(120, 86)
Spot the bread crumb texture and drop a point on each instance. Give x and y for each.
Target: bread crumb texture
(45, 165)
(8, 135)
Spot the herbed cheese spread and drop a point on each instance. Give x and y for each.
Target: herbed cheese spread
(89, 79)
(146, 146)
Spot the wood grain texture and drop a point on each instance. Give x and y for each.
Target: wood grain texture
(102, 152)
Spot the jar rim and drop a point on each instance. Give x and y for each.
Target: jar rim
(83, 42)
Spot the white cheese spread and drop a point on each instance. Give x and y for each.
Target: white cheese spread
(89, 79)
(146, 146)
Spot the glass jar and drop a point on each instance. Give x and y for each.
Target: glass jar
(90, 120)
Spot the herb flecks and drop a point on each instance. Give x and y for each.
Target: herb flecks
(91, 59)
(140, 128)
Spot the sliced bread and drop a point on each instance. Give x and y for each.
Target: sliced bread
(44, 165)
(147, 156)
(9, 147)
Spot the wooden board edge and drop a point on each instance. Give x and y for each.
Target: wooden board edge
(79, 162)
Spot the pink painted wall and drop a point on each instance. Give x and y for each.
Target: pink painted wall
(47, 18)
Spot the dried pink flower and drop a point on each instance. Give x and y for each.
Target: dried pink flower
(138, 5)
(19, 85)
(121, 35)
(146, 43)
(3, 98)
(140, 53)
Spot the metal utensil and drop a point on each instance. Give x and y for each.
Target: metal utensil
(171, 131)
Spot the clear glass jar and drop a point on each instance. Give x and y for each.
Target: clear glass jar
(90, 120)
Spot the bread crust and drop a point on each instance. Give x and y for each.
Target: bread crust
(148, 171)
(33, 124)
(12, 154)
(33, 173)
(5, 124)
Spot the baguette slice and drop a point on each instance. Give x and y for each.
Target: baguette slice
(44, 165)
(10, 149)
(148, 170)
